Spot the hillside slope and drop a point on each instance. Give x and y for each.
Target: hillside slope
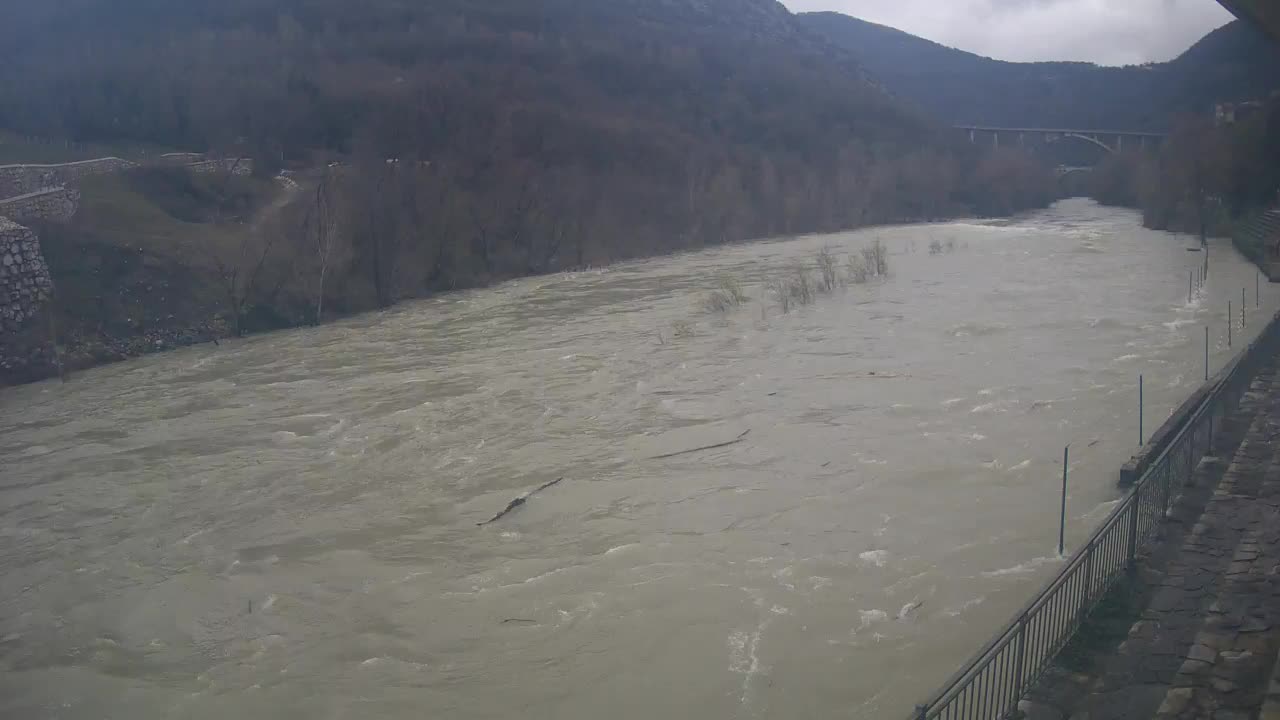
(453, 143)
(684, 121)
(1234, 62)
(297, 75)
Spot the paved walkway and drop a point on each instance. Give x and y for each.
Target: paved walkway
(1206, 644)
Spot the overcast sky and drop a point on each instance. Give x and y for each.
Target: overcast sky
(1108, 32)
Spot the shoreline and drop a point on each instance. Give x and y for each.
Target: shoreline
(42, 361)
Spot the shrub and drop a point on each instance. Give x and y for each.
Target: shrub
(827, 269)
(876, 258)
(800, 286)
(855, 269)
(728, 295)
(782, 292)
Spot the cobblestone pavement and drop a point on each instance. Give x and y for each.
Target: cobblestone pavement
(1205, 646)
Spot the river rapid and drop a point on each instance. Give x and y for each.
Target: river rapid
(286, 526)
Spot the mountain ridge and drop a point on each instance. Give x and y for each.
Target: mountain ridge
(1232, 63)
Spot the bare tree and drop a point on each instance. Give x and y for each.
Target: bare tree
(239, 258)
(239, 267)
(321, 225)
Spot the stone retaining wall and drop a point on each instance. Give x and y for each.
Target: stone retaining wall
(56, 204)
(23, 179)
(25, 283)
(235, 166)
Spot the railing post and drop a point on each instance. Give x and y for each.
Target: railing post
(1191, 458)
(1208, 443)
(1133, 528)
(1020, 661)
(1088, 581)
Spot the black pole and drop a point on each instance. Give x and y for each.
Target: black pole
(1140, 433)
(1062, 524)
(1206, 353)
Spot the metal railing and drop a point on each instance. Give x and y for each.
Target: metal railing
(990, 685)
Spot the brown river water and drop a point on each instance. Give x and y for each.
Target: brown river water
(286, 526)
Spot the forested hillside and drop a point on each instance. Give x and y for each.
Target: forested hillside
(535, 135)
(1233, 63)
(452, 143)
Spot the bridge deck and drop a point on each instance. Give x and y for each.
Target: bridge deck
(1060, 131)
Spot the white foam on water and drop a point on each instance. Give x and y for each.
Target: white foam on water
(984, 408)
(874, 557)
(1021, 466)
(744, 657)
(909, 609)
(1103, 508)
(871, 617)
(1021, 568)
(783, 577)
(1127, 358)
(620, 548)
(952, 401)
(967, 604)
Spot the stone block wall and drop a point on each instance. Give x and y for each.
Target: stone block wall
(180, 158)
(23, 179)
(236, 166)
(25, 283)
(57, 204)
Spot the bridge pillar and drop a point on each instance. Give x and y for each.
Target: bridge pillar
(1142, 142)
(971, 141)
(1119, 143)
(1020, 139)
(995, 139)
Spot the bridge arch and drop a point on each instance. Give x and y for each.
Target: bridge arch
(1090, 139)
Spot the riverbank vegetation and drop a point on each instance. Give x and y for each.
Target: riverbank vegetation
(803, 283)
(1206, 178)
(441, 146)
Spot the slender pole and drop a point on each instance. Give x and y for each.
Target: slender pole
(1231, 320)
(1257, 289)
(1140, 433)
(1243, 304)
(1206, 353)
(1062, 524)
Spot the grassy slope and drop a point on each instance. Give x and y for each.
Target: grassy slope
(130, 271)
(17, 149)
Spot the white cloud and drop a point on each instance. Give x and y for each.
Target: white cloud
(1109, 32)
